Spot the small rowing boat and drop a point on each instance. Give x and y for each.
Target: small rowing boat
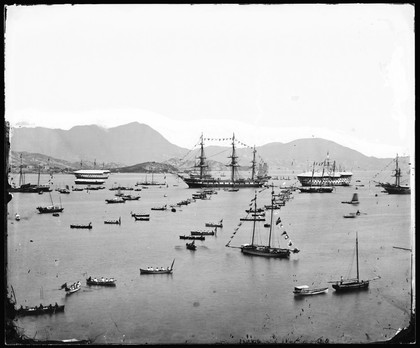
(193, 237)
(88, 226)
(304, 290)
(101, 281)
(157, 270)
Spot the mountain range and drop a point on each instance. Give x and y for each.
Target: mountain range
(135, 143)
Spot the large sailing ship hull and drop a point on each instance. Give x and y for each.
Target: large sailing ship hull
(396, 190)
(201, 183)
(339, 179)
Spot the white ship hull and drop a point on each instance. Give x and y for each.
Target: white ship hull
(338, 179)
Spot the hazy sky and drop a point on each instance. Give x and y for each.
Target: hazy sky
(269, 73)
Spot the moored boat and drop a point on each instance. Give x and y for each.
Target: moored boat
(191, 246)
(113, 222)
(265, 250)
(39, 310)
(330, 176)
(304, 290)
(203, 232)
(215, 224)
(205, 180)
(396, 188)
(51, 208)
(164, 207)
(88, 226)
(115, 200)
(91, 176)
(101, 281)
(344, 285)
(192, 237)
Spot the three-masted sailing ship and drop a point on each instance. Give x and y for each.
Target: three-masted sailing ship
(396, 188)
(266, 250)
(203, 179)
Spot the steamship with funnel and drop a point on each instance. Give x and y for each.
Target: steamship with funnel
(328, 176)
(202, 179)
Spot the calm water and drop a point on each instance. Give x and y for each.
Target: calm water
(216, 294)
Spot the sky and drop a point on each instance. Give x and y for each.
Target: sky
(268, 73)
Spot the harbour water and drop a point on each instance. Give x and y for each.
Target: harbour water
(215, 294)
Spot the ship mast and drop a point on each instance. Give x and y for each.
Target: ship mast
(253, 164)
(233, 163)
(357, 257)
(313, 171)
(271, 217)
(255, 218)
(397, 173)
(202, 163)
(21, 177)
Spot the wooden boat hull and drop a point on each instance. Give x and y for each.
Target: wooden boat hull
(69, 292)
(310, 292)
(46, 210)
(266, 252)
(39, 311)
(213, 225)
(193, 237)
(198, 233)
(81, 226)
(316, 189)
(101, 283)
(205, 183)
(350, 286)
(146, 271)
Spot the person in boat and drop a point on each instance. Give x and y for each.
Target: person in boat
(357, 212)
(341, 280)
(167, 268)
(40, 306)
(102, 278)
(21, 308)
(50, 306)
(95, 280)
(56, 305)
(162, 269)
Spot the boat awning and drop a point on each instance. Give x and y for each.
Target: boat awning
(301, 287)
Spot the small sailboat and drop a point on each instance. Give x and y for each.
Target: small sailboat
(51, 208)
(352, 283)
(354, 199)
